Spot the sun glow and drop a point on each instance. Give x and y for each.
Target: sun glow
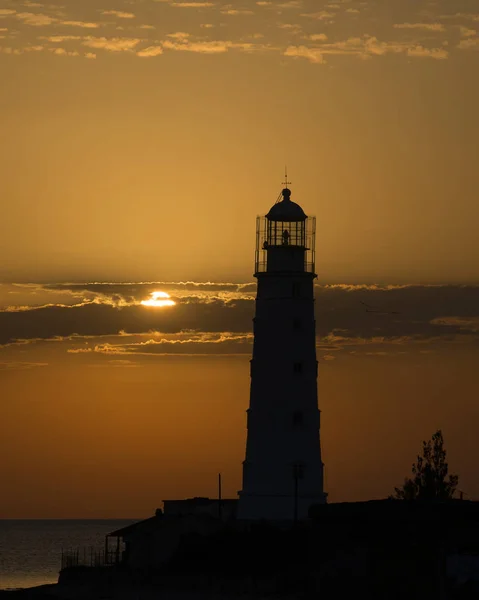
(158, 299)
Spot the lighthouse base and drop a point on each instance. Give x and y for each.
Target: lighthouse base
(276, 508)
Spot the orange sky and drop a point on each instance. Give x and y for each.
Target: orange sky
(119, 440)
(116, 165)
(140, 140)
(108, 406)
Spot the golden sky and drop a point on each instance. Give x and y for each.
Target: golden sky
(139, 140)
(137, 136)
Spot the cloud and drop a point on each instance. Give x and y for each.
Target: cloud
(401, 315)
(63, 52)
(314, 55)
(202, 343)
(467, 32)
(233, 12)
(150, 51)
(115, 44)
(43, 20)
(59, 39)
(364, 47)
(118, 13)
(322, 15)
(122, 294)
(461, 15)
(192, 4)
(422, 52)
(102, 319)
(463, 323)
(213, 47)
(36, 48)
(20, 366)
(422, 26)
(469, 44)
(82, 24)
(24, 50)
(290, 4)
(316, 47)
(179, 35)
(318, 37)
(80, 350)
(36, 19)
(292, 27)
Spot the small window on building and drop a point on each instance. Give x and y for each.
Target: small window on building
(297, 418)
(296, 289)
(298, 367)
(297, 324)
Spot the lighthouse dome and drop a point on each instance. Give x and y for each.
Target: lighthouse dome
(286, 210)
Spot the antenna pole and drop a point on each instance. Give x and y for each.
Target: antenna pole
(286, 182)
(220, 511)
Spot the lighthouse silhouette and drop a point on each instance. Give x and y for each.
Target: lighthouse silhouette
(283, 470)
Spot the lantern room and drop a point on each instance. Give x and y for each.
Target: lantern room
(285, 239)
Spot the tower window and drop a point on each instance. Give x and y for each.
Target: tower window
(297, 418)
(296, 289)
(298, 471)
(298, 367)
(297, 324)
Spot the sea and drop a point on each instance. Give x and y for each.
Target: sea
(31, 551)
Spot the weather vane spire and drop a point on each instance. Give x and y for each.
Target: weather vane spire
(286, 182)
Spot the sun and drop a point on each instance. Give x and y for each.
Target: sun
(158, 300)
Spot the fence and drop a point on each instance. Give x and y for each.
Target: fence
(89, 557)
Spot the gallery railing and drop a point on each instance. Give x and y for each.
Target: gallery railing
(261, 266)
(89, 557)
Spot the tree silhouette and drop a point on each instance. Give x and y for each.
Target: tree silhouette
(430, 479)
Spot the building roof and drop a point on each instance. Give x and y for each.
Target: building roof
(200, 501)
(129, 528)
(286, 210)
(168, 513)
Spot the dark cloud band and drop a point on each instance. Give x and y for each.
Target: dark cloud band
(361, 312)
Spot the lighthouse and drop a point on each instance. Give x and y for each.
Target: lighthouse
(283, 470)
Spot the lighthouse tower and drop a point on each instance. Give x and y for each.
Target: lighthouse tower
(283, 470)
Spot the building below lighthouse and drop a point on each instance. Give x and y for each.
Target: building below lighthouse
(283, 469)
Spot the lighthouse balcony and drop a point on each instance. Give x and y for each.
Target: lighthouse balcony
(263, 266)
